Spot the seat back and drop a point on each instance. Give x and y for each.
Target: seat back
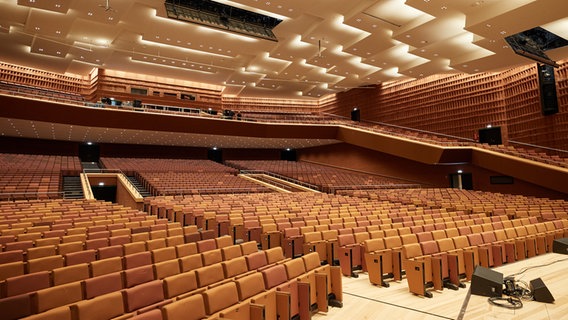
(190, 262)
(135, 276)
(234, 267)
(212, 256)
(224, 241)
(256, 260)
(163, 254)
(45, 263)
(142, 295)
(460, 242)
(345, 239)
(295, 268)
(231, 252)
(209, 275)
(190, 308)
(392, 242)
(57, 296)
(445, 245)
(311, 261)
(84, 256)
(206, 245)
(107, 306)
(137, 260)
(274, 255)
(220, 297)
(373, 245)
(408, 238)
(411, 251)
(429, 247)
(274, 276)
(186, 249)
(165, 269)
(103, 284)
(69, 274)
(250, 285)
(26, 283)
(249, 247)
(105, 266)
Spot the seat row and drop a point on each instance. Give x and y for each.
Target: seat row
(56, 271)
(442, 261)
(93, 239)
(55, 256)
(149, 295)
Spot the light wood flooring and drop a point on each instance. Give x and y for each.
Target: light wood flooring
(362, 300)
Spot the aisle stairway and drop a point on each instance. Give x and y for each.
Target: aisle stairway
(143, 191)
(72, 188)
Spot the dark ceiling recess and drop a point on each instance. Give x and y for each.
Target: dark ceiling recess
(534, 42)
(224, 17)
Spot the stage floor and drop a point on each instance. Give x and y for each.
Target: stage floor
(362, 300)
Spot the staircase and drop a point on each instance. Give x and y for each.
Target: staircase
(72, 188)
(143, 191)
(90, 165)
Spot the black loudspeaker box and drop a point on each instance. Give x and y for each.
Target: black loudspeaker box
(356, 115)
(547, 84)
(486, 282)
(560, 246)
(540, 291)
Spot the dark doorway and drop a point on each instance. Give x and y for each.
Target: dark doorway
(288, 154)
(105, 193)
(89, 152)
(215, 154)
(466, 182)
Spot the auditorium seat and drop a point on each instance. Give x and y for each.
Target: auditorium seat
(106, 266)
(190, 308)
(70, 274)
(57, 296)
(379, 262)
(135, 276)
(26, 283)
(144, 297)
(421, 271)
(103, 284)
(107, 306)
(209, 275)
(165, 269)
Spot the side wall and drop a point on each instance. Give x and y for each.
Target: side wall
(365, 160)
(461, 104)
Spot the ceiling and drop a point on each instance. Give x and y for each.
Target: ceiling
(323, 47)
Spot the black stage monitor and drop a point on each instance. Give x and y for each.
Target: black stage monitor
(486, 282)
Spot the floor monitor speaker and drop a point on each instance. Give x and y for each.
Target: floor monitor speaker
(486, 282)
(560, 246)
(540, 291)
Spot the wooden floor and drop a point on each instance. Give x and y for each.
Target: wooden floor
(364, 301)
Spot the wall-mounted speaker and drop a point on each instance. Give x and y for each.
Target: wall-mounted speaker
(356, 114)
(540, 291)
(547, 85)
(486, 282)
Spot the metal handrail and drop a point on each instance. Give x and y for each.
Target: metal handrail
(334, 189)
(281, 177)
(197, 191)
(560, 151)
(118, 171)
